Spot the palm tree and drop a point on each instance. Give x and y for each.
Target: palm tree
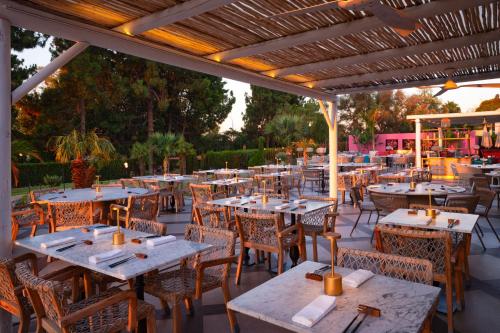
(286, 128)
(164, 146)
(84, 151)
(140, 153)
(21, 148)
(184, 149)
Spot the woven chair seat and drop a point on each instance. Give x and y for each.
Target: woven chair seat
(310, 228)
(111, 319)
(177, 284)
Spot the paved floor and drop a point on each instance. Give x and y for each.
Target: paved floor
(481, 313)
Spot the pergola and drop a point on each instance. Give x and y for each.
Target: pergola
(318, 55)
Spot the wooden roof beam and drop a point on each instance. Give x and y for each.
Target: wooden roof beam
(170, 15)
(413, 84)
(369, 23)
(401, 73)
(452, 43)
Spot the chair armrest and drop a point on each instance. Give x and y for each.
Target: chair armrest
(288, 230)
(117, 206)
(23, 212)
(126, 295)
(65, 273)
(200, 271)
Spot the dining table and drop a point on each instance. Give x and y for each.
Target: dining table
(404, 305)
(159, 256)
(167, 179)
(274, 205)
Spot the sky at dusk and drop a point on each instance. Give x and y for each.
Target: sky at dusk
(467, 98)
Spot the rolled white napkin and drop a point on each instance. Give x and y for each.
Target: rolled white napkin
(102, 231)
(232, 201)
(56, 242)
(98, 258)
(159, 241)
(357, 278)
(315, 311)
(300, 201)
(283, 206)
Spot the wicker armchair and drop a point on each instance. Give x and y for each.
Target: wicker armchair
(166, 192)
(68, 215)
(435, 246)
(41, 209)
(111, 311)
(214, 217)
(320, 221)
(362, 206)
(201, 273)
(140, 206)
(387, 203)
(148, 226)
(344, 184)
(267, 233)
(200, 194)
(479, 182)
(24, 218)
(469, 203)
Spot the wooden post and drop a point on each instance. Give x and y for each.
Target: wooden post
(5, 172)
(333, 146)
(418, 143)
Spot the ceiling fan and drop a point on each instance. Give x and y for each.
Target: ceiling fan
(393, 17)
(452, 85)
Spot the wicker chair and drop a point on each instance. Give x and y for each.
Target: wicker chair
(387, 203)
(111, 311)
(267, 233)
(24, 218)
(344, 184)
(41, 209)
(245, 188)
(362, 206)
(358, 159)
(479, 182)
(69, 215)
(200, 194)
(469, 203)
(148, 226)
(166, 192)
(320, 221)
(214, 217)
(311, 176)
(140, 206)
(198, 274)
(435, 246)
(486, 198)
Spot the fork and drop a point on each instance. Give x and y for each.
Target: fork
(361, 309)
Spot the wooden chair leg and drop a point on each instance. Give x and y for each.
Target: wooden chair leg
(151, 322)
(240, 266)
(176, 318)
(188, 303)
(24, 323)
(280, 262)
(15, 231)
(165, 307)
(269, 261)
(315, 246)
(449, 305)
(230, 314)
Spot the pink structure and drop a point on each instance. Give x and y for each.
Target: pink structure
(404, 141)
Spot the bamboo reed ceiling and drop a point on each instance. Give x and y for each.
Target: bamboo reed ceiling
(238, 24)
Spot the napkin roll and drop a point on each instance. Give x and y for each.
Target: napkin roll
(357, 278)
(56, 242)
(102, 231)
(98, 258)
(315, 311)
(300, 201)
(233, 201)
(160, 240)
(284, 206)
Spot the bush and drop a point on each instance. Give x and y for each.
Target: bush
(52, 180)
(258, 158)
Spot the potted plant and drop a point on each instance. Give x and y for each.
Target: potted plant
(84, 151)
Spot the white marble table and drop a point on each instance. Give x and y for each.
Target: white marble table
(228, 182)
(167, 179)
(90, 194)
(404, 305)
(421, 189)
(231, 172)
(484, 167)
(402, 218)
(159, 256)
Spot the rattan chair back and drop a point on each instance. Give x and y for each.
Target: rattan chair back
(201, 193)
(213, 216)
(317, 217)
(394, 266)
(142, 207)
(388, 203)
(486, 198)
(72, 214)
(461, 210)
(148, 226)
(259, 231)
(466, 201)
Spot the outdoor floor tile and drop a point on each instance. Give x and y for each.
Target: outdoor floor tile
(484, 267)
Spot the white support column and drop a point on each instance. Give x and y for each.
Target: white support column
(332, 146)
(5, 172)
(418, 143)
(48, 70)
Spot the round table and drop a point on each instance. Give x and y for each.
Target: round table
(421, 193)
(90, 194)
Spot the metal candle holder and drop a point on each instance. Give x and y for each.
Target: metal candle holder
(264, 195)
(332, 280)
(118, 236)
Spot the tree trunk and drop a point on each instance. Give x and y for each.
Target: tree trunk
(165, 165)
(83, 116)
(151, 129)
(142, 168)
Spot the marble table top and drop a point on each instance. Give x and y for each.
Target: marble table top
(278, 174)
(404, 305)
(401, 217)
(279, 166)
(484, 167)
(420, 189)
(158, 256)
(310, 205)
(170, 179)
(90, 194)
(231, 172)
(228, 182)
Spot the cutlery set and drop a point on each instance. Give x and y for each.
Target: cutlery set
(366, 311)
(86, 242)
(452, 223)
(120, 262)
(317, 275)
